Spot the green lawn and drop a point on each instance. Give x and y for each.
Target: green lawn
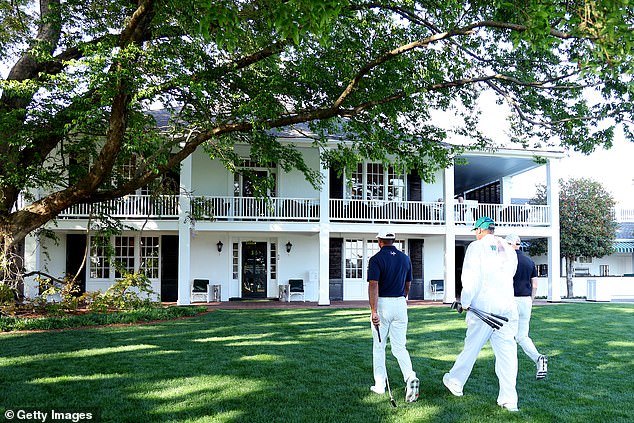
(314, 365)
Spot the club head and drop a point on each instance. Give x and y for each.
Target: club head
(393, 402)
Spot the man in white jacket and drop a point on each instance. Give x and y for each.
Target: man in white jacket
(487, 284)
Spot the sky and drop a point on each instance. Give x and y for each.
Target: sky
(613, 168)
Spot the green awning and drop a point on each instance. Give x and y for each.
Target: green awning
(624, 246)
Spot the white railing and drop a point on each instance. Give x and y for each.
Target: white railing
(386, 211)
(503, 214)
(128, 207)
(623, 215)
(229, 208)
(258, 209)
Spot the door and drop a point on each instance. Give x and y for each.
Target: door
(75, 252)
(169, 268)
(254, 275)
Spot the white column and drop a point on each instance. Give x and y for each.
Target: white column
(184, 233)
(32, 262)
(324, 238)
(450, 237)
(554, 252)
(507, 188)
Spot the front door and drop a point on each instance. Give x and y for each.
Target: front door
(254, 275)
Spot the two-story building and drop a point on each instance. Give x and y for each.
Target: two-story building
(213, 228)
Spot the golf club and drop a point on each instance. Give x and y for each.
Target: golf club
(389, 391)
(486, 313)
(494, 317)
(495, 324)
(387, 381)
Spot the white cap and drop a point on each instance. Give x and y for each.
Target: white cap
(386, 234)
(513, 239)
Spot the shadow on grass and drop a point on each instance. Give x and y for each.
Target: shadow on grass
(311, 365)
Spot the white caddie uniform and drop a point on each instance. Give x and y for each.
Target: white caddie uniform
(487, 284)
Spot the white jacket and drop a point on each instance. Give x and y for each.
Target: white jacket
(487, 276)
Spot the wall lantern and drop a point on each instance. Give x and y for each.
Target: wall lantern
(289, 246)
(219, 244)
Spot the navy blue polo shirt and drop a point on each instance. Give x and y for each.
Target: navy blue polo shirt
(525, 272)
(392, 268)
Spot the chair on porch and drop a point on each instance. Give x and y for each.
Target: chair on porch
(437, 287)
(296, 287)
(201, 289)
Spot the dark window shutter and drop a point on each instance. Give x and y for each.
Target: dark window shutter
(336, 184)
(414, 187)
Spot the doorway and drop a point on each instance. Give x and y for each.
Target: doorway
(254, 270)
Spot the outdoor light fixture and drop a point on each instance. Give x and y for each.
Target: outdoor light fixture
(289, 246)
(219, 245)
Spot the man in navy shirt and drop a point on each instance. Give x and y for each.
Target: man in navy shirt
(525, 286)
(389, 278)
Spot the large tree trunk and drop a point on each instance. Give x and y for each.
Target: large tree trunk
(569, 274)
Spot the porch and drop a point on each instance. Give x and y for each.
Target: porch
(249, 209)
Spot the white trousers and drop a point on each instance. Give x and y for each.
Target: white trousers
(504, 348)
(524, 307)
(393, 314)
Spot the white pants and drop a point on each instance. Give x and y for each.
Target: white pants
(393, 314)
(504, 348)
(524, 307)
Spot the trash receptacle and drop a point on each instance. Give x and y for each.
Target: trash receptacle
(215, 293)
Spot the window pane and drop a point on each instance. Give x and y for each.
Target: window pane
(99, 262)
(150, 256)
(354, 258)
(123, 254)
(375, 187)
(396, 185)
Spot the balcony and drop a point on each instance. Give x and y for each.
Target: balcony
(276, 209)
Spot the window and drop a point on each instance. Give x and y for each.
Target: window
(110, 257)
(542, 270)
(357, 255)
(99, 257)
(353, 258)
(273, 263)
(123, 255)
(150, 256)
(374, 181)
(604, 270)
(243, 185)
(235, 257)
(584, 259)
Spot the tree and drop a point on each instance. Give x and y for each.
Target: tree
(82, 74)
(586, 223)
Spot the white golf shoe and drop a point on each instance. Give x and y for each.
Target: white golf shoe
(378, 388)
(453, 386)
(542, 367)
(411, 390)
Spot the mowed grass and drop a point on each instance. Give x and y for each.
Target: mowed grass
(315, 365)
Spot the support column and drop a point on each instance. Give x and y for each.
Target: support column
(32, 262)
(554, 245)
(184, 233)
(324, 238)
(450, 237)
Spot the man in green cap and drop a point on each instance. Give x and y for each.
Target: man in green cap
(487, 285)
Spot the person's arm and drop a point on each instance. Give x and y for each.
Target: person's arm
(373, 294)
(533, 288)
(407, 284)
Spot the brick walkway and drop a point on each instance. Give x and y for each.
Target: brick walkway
(256, 304)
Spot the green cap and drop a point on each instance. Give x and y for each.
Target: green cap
(484, 223)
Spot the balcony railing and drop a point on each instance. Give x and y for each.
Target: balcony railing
(128, 207)
(503, 214)
(247, 209)
(386, 211)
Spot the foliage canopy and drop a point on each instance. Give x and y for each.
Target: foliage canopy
(82, 75)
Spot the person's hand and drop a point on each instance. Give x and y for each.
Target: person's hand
(376, 320)
(456, 306)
